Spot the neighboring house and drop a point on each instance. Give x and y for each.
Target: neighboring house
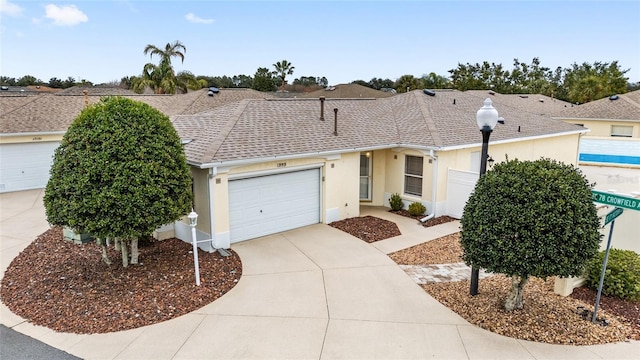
(352, 91)
(264, 166)
(32, 125)
(614, 122)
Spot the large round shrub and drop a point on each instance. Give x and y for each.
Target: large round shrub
(120, 172)
(530, 218)
(622, 276)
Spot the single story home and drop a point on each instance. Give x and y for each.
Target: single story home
(262, 166)
(614, 122)
(32, 124)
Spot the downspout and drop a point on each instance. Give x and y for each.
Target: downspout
(434, 187)
(212, 174)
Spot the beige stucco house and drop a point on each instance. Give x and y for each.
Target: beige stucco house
(262, 166)
(32, 124)
(614, 124)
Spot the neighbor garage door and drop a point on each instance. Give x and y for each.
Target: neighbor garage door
(269, 204)
(25, 166)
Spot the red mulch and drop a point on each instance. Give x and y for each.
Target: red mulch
(66, 287)
(629, 310)
(368, 228)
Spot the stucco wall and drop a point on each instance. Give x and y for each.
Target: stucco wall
(201, 198)
(603, 127)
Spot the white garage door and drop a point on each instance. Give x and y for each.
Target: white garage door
(269, 204)
(25, 166)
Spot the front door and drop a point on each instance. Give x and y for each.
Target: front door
(366, 171)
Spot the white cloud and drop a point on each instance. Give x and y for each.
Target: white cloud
(192, 18)
(68, 15)
(9, 8)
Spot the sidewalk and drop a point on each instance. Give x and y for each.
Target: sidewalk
(309, 293)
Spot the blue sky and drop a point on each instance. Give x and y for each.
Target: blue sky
(103, 41)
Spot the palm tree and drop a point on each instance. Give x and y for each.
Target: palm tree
(283, 68)
(162, 78)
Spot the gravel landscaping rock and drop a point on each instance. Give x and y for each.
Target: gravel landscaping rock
(65, 286)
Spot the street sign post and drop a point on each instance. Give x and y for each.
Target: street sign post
(613, 215)
(620, 202)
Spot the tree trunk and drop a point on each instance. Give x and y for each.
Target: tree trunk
(514, 300)
(116, 244)
(125, 252)
(105, 256)
(134, 250)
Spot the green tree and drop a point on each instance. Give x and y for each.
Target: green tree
(264, 80)
(530, 218)
(587, 82)
(435, 81)
(120, 172)
(283, 68)
(407, 83)
(161, 78)
(28, 80)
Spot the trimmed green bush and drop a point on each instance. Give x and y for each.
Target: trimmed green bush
(396, 202)
(622, 277)
(416, 208)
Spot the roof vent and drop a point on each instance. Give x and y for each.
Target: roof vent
(330, 88)
(214, 90)
(491, 92)
(524, 96)
(501, 120)
(210, 93)
(541, 100)
(429, 92)
(5, 88)
(613, 97)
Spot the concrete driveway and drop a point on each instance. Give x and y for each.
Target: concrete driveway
(309, 293)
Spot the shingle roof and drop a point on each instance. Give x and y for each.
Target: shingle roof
(533, 103)
(626, 107)
(259, 129)
(54, 113)
(344, 91)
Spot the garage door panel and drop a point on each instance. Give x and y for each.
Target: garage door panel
(270, 204)
(25, 166)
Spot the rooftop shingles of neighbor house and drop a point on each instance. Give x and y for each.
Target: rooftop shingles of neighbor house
(625, 107)
(54, 113)
(533, 103)
(269, 129)
(347, 91)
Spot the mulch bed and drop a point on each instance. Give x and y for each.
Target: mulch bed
(629, 310)
(431, 222)
(66, 287)
(368, 228)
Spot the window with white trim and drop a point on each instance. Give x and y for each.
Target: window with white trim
(413, 166)
(621, 131)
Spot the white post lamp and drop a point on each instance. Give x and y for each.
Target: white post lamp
(193, 221)
(487, 118)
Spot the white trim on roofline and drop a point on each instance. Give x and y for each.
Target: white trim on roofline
(592, 119)
(39, 133)
(507, 141)
(330, 153)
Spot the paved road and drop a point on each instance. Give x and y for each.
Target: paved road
(16, 346)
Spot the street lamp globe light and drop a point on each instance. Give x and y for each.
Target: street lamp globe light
(487, 118)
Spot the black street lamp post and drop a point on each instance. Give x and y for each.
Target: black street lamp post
(487, 118)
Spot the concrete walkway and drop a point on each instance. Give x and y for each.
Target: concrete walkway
(309, 293)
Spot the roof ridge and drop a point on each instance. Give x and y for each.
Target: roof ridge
(226, 130)
(431, 125)
(626, 98)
